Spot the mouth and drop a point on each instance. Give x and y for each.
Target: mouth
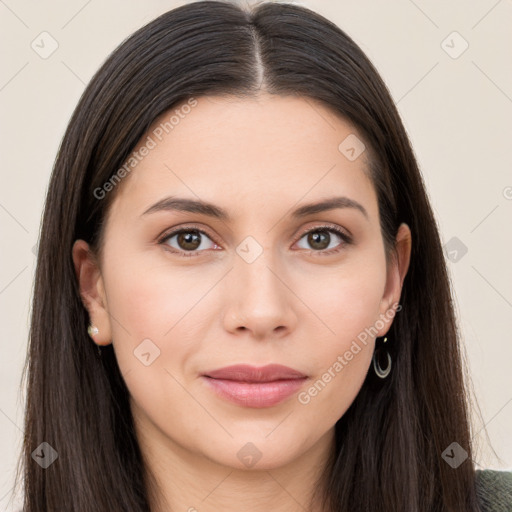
(254, 387)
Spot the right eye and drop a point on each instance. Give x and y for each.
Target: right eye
(189, 241)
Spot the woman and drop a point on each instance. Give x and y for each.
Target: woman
(241, 300)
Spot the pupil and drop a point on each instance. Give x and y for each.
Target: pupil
(189, 240)
(318, 237)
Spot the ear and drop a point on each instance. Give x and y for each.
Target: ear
(396, 272)
(92, 291)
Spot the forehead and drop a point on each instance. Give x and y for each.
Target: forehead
(243, 153)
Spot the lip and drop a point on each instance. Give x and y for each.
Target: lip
(248, 373)
(255, 387)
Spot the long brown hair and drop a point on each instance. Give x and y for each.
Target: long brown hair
(389, 443)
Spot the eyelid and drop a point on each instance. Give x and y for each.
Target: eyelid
(343, 233)
(327, 225)
(169, 233)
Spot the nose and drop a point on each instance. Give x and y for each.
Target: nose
(259, 299)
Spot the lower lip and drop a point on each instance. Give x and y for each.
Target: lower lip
(255, 394)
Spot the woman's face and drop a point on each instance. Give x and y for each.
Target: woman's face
(245, 283)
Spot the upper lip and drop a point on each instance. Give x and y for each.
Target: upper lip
(248, 373)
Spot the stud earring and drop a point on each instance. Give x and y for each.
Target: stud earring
(92, 330)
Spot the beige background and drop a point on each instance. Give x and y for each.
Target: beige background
(456, 108)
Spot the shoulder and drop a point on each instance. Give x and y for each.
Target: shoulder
(494, 490)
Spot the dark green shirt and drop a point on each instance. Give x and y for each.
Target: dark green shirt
(494, 490)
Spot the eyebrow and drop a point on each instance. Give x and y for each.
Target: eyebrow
(204, 208)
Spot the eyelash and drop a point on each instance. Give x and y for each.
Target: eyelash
(329, 228)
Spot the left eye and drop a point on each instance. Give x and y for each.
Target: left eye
(320, 239)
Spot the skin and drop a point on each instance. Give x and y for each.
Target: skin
(259, 160)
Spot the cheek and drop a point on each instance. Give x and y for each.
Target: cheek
(158, 318)
(348, 305)
(348, 300)
(150, 299)
(158, 303)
